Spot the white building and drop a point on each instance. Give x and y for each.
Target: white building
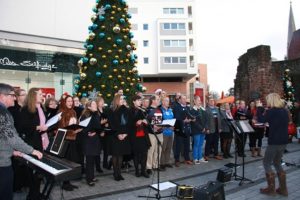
(43, 29)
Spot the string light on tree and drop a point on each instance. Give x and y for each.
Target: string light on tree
(289, 91)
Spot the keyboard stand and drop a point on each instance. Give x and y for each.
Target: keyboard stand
(47, 188)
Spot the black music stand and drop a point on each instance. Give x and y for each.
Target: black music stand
(157, 195)
(241, 127)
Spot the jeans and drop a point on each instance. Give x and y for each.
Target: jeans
(273, 156)
(197, 147)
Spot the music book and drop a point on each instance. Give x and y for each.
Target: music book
(53, 120)
(163, 186)
(246, 127)
(82, 124)
(58, 141)
(167, 123)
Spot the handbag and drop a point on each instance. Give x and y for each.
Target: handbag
(292, 129)
(140, 131)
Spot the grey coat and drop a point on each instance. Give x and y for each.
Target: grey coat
(9, 138)
(210, 120)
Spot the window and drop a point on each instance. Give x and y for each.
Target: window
(146, 60)
(145, 43)
(173, 11)
(174, 60)
(174, 26)
(174, 43)
(145, 27)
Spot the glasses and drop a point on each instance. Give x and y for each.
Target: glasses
(12, 95)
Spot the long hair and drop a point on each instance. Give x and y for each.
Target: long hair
(274, 101)
(30, 100)
(116, 101)
(87, 112)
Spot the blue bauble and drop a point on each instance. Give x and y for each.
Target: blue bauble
(107, 6)
(122, 2)
(84, 94)
(101, 35)
(97, 1)
(115, 62)
(122, 20)
(76, 87)
(85, 59)
(119, 41)
(90, 28)
(98, 74)
(95, 10)
(135, 56)
(90, 47)
(85, 45)
(131, 35)
(129, 15)
(94, 26)
(101, 18)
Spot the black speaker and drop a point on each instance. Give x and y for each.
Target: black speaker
(213, 190)
(224, 174)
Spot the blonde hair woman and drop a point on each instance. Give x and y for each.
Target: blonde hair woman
(277, 118)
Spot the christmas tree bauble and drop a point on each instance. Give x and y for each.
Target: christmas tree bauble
(93, 61)
(98, 74)
(116, 29)
(82, 76)
(93, 18)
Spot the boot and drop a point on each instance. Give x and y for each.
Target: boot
(282, 190)
(253, 151)
(259, 152)
(270, 190)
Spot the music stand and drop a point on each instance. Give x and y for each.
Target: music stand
(241, 127)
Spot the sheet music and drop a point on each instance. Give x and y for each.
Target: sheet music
(42, 165)
(245, 126)
(167, 122)
(163, 186)
(85, 122)
(53, 120)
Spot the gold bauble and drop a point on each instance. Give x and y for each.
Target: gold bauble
(126, 60)
(80, 63)
(134, 70)
(125, 9)
(104, 56)
(109, 51)
(114, 45)
(128, 78)
(133, 80)
(108, 38)
(123, 30)
(120, 50)
(110, 76)
(123, 70)
(127, 90)
(130, 71)
(99, 95)
(114, 6)
(108, 95)
(104, 66)
(113, 12)
(84, 87)
(121, 61)
(92, 36)
(115, 87)
(131, 84)
(93, 18)
(119, 76)
(85, 68)
(122, 83)
(125, 36)
(123, 16)
(112, 18)
(79, 93)
(102, 86)
(116, 57)
(91, 55)
(116, 29)
(90, 86)
(100, 48)
(115, 70)
(119, 9)
(102, 27)
(128, 55)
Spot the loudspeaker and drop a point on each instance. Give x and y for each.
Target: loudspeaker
(184, 192)
(213, 190)
(224, 174)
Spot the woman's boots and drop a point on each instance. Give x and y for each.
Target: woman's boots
(270, 190)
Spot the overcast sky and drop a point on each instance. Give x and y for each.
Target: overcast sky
(227, 28)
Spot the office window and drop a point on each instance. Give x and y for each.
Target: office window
(174, 43)
(173, 11)
(145, 43)
(145, 27)
(146, 60)
(174, 60)
(174, 26)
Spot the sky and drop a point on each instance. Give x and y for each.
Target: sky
(227, 28)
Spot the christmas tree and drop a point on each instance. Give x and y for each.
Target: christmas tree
(289, 91)
(109, 63)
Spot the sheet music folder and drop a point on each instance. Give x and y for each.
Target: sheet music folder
(242, 126)
(167, 123)
(82, 124)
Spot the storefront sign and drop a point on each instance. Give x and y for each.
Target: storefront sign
(27, 63)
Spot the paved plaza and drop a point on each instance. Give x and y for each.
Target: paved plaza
(194, 175)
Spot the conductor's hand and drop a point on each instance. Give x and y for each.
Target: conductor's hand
(37, 154)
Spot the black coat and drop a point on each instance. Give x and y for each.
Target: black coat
(119, 147)
(91, 144)
(139, 144)
(28, 126)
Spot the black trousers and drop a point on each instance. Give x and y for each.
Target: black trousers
(256, 136)
(6, 183)
(140, 158)
(89, 168)
(212, 142)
